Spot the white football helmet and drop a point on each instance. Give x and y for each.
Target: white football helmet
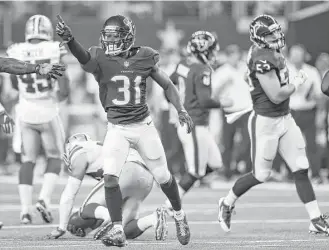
(39, 27)
(71, 143)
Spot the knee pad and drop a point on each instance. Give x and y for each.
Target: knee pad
(161, 174)
(262, 175)
(302, 162)
(111, 181)
(53, 166)
(26, 173)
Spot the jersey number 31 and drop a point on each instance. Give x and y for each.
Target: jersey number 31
(126, 89)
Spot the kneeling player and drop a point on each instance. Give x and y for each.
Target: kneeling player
(83, 157)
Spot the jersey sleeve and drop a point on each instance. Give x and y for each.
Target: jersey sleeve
(92, 65)
(264, 63)
(151, 55)
(202, 82)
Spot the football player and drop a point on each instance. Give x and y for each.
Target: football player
(38, 112)
(121, 71)
(193, 79)
(271, 126)
(83, 157)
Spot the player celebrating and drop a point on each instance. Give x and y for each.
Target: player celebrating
(271, 126)
(38, 112)
(83, 157)
(121, 71)
(193, 79)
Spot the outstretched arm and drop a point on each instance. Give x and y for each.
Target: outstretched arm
(17, 67)
(168, 86)
(172, 95)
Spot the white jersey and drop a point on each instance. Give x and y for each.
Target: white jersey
(93, 150)
(38, 101)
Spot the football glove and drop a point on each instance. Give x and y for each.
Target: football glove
(184, 118)
(50, 70)
(63, 31)
(300, 79)
(56, 233)
(6, 123)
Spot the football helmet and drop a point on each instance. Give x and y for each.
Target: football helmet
(39, 27)
(117, 35)
(263, 26)
(203, 45)
(71, 142)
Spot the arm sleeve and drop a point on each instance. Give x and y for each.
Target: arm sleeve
(91, 65)
(67, 201)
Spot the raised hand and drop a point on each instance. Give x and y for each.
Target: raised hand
(63, 31)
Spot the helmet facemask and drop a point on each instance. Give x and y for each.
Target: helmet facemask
(116, 40)
(271, 37)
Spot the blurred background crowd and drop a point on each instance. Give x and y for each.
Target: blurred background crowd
(166, 26)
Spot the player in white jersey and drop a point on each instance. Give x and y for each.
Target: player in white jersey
(38, 112)
(84, 157)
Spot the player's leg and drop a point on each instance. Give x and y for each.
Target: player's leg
(264, 144)
(53, 138)
(31, 141)
(151, 150)
(136, 183)
(196, 157)
(115, 152)
(293, 151)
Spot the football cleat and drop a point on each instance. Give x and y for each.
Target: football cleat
(44, 212)
(319, 225)
(105, 227)
(224, 215)
(161, 228)
(26, 219)
(115, 237)
(182, 229)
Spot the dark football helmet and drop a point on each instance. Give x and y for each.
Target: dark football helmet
(203, 45)
(117, 35)
(263, 26)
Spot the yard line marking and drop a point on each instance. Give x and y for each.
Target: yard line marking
(265, 221)
(223, 242)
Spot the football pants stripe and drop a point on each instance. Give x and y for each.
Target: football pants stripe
(196, 152)
(75, 152)
(95, 189)
(253, 141)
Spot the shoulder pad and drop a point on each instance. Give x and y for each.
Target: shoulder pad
(148, 52)
(264, 60)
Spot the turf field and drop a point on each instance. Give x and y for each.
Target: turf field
(268, 217)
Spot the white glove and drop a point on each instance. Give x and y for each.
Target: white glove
(300, 79)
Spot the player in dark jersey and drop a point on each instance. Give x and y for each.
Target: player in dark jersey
(271, 126)
(121, 71)
(193, 79)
